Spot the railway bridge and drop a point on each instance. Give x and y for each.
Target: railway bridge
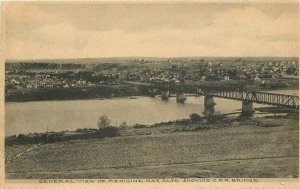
(234, 93)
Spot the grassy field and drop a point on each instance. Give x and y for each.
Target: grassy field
(243, 151)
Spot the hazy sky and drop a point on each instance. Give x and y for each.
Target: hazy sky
(57, 30)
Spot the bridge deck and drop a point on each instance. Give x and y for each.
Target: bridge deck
(258, 97)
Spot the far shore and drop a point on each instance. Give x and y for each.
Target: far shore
(110, 96)
(102, 92)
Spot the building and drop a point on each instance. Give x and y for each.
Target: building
(226, 78)
(256, 78)
(81, 82)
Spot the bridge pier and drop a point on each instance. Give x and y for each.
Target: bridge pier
(165, 95)
(209, 105)
(247, 108)
(180, 97)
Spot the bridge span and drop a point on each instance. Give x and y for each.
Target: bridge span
(234, 93)
(258, 97)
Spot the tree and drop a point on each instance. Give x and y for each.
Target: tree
(103, 122)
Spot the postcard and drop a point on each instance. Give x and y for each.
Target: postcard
(152, 94)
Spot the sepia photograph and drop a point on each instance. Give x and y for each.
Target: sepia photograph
(157, 91)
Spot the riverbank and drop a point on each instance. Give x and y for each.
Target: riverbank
(217, 122)
(74, 93)
(253, 148)
(194, 123)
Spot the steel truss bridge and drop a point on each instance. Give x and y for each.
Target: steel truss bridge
(258, 97)
(290, 101)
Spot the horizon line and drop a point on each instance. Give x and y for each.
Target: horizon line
(28, 59)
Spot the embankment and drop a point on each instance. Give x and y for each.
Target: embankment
(102, 91)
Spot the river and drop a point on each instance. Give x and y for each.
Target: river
(42, 116)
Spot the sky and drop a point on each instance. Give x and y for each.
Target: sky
(87, 30)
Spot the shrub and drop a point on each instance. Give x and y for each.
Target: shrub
(79, 130)
(108, 132)
(139, 126)
(195, 117)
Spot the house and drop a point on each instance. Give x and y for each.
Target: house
(91, 84)
(256, 78)
(275, 68)
(282, 63)
(226, 78)
(81, 82)
(290, 77)
(13, 81)
(207, 71)
(29, 86)
(283, 68)
(48, 85)
(210, 63)
(261, 69)
(23, 76)
(176, 80)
